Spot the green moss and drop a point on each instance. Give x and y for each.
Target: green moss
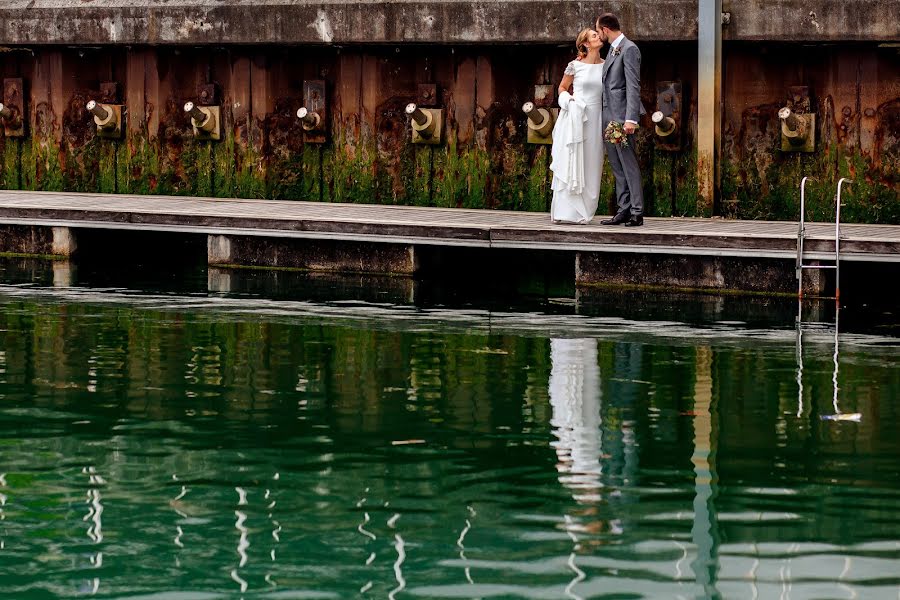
(773, 192)
(12, 164)
(419, 190)
(223, 161)
(658, 186)
(48, 170)
(40, 256)
(249, 177)
(607, 203)
(107, 165)
(203, 180)
(687, 199)
(295, 175)
(537, 189)
(349, 169)
(509, 179)
(139, 165)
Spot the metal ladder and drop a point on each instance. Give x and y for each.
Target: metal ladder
(801, 234)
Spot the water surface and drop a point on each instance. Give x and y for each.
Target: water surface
(192, 444)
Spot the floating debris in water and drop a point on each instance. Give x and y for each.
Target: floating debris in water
(855, 417)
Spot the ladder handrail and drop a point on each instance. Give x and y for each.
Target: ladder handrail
(801, 235)
(837, 241)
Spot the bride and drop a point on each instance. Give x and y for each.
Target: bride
(577, 152)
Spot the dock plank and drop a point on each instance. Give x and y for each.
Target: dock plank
(442, 226)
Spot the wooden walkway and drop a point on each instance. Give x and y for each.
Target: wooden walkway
(442, 226)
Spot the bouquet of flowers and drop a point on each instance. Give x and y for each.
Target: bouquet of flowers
(615, 134)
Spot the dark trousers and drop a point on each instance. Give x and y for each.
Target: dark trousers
(624, 164)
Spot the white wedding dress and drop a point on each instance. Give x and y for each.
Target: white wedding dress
(575, 399)
(578, 205)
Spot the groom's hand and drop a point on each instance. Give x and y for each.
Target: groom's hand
(629, 127)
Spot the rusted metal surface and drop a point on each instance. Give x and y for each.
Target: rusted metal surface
(435, 21)
(484, 162)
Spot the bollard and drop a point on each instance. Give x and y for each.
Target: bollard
(204, 120)
(107, 118)
(665, 126)
(309, 120)
(797, 131)
(540, 123)
(426, 124)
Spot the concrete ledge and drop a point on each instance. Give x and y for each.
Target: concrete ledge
(37, 240)
(674, 273)
(24, 22)
(311, 255)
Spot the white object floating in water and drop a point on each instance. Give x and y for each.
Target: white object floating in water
(855, 417)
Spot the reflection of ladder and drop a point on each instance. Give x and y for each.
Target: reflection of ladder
(801, 234)
(837, 415)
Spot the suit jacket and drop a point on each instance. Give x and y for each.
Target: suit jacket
(622, 84)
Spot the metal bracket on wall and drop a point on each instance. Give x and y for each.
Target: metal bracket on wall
(668, 117)
(107, 118)
(541, 116)
(205, 120)
(798, 124)
(427, 124)
(315, 111)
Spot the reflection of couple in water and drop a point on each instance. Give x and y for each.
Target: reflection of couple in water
(575, 399)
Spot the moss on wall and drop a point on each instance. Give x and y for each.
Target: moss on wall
(485, 163)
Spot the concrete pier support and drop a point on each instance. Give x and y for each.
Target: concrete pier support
(312, 255)
(674, 272)
(37, 240)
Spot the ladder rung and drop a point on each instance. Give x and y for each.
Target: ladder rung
(818, 266)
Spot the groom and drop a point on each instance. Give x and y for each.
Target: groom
(622, 103)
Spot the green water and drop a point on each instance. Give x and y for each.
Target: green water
(190, 445)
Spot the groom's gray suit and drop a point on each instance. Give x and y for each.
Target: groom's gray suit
(622, 102)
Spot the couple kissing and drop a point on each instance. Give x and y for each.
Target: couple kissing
(600, 108)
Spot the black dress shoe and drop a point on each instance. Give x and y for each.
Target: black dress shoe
(616, 220)
(635, 221)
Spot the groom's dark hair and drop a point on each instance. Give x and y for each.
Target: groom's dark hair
(609, 20)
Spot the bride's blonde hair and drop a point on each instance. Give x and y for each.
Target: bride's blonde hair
(580, 42)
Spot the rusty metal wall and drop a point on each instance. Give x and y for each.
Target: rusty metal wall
(485, 162)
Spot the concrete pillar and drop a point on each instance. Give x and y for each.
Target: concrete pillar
(709, 103)
(64, 243)
(218, 249)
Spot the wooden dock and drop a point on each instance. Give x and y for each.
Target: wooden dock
(442, 226)
(713, 254)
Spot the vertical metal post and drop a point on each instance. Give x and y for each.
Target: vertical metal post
(801, 233)
(837, 242)
(709, 94)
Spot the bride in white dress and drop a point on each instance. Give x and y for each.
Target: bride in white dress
(577, 154)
